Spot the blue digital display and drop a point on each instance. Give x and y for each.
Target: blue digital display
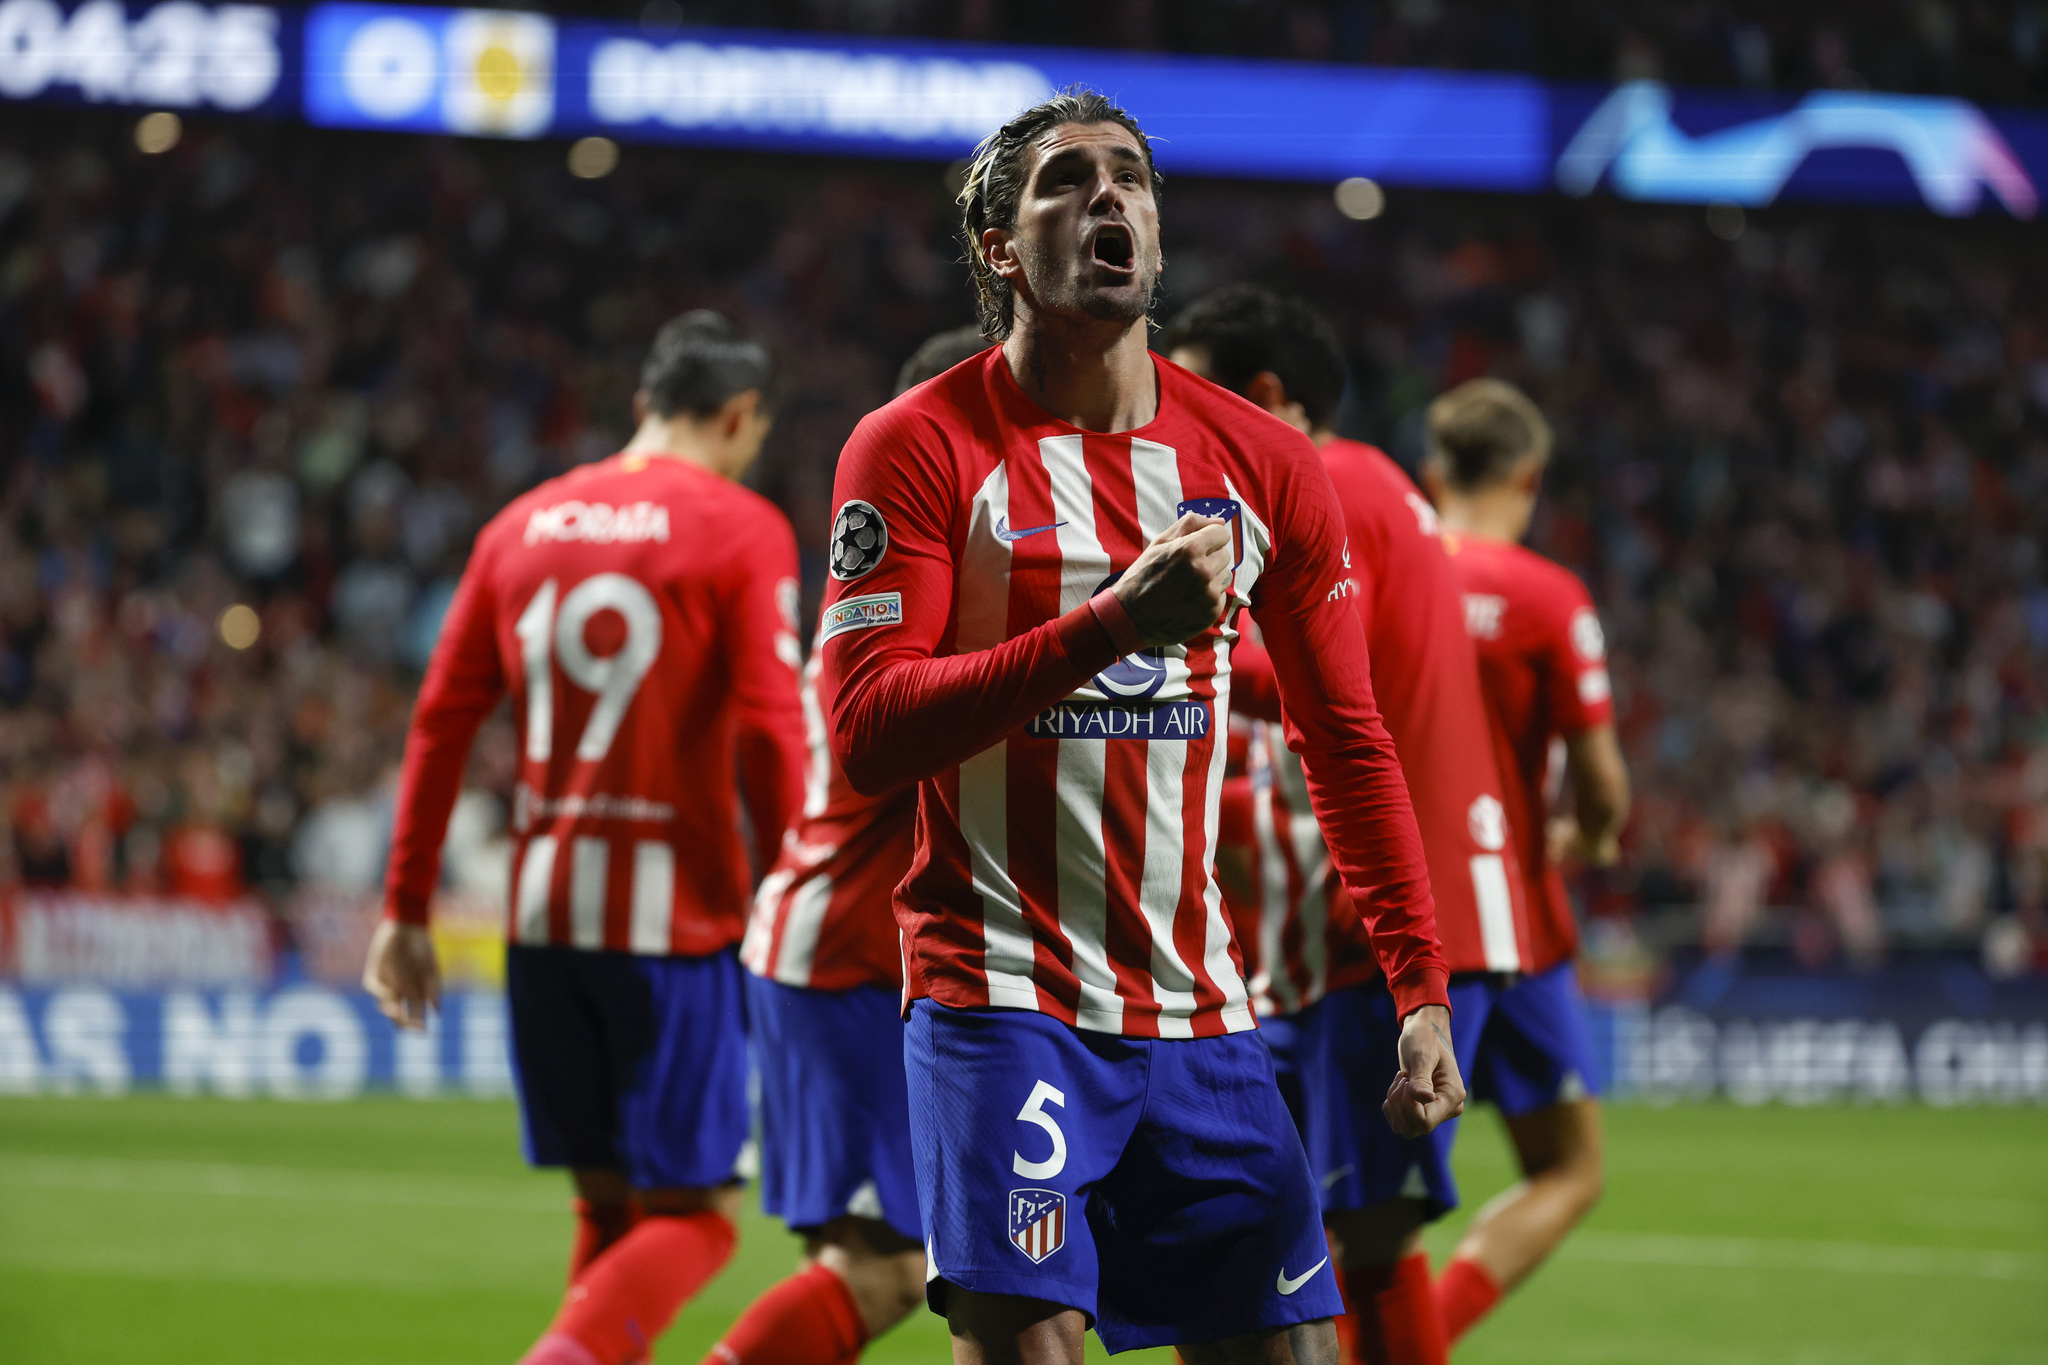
(499, 73)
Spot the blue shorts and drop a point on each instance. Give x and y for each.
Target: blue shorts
(1348, 1057)
(630, 1063)
(1156, 1185)
(1522, 1046)
(835, 1113)
(1282, 1035)
(1536, 1050)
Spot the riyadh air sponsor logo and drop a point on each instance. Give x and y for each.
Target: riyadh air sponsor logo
(1949, 147)
(1172, 720)
(1287, 1286)
(1003, 531)
(598, 523)
(1038, 1222)
(861, 613)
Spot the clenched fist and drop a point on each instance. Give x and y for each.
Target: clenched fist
(1177, 587)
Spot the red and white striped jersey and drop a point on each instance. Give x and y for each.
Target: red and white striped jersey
(1069, 798)
(823, 918)
(640, 612)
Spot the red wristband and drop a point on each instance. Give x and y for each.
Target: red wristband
(1123, 632)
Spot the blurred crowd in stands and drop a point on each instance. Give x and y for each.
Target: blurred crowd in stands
(1989, 50)
(258, 393)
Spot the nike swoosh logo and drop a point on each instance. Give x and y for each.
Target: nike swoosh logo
(1287, 1286)
(1333, 1177)
(1003, 531)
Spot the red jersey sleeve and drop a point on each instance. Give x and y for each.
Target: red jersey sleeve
(767, 663)
(1360, 798)
(463, 684)
(1581, 693)
(1254, 691)
(905, 709)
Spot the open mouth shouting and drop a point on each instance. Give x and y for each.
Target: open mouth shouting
(1113, 248)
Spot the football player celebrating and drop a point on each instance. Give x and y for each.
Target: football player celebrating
(1544, 666)
(1379, 1189)
(1038, 560)
(639, 611)
(825, 1018)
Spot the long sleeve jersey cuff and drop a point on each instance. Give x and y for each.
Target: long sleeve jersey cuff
(1116, 622)
(1086, 638)
(1429, 984)
(406, 910)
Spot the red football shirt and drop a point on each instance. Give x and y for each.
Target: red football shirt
(640, 613)
(1543, 661)
(1069, 798)
(824, 918)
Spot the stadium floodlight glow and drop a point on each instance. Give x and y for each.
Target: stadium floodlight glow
(593, 158)
(1949, 147)
(1360, 199)
(158, 132)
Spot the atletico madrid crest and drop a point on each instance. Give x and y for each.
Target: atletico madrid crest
(1038, 1222)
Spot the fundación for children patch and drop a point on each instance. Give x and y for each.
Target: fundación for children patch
(861, 613)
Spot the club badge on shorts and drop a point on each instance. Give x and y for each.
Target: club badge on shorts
(859, 540)
(1038, 1222)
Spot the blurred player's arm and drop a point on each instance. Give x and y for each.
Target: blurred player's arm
(1600, 798)
(463, 684)
(898, 713)
(1582, 705)
(767, 665)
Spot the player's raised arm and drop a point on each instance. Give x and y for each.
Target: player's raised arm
(906, 708)
(767, 663)
(464, 681)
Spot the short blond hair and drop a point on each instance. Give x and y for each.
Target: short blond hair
(1479, 431)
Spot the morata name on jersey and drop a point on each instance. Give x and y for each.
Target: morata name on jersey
(598, 523)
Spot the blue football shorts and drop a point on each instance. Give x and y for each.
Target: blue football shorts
(1521, 1043)
(1281, 1034)
(1536, 1050)
(835, 1112)
(1157, 1185)
(630, 1063)
(1348, 1056)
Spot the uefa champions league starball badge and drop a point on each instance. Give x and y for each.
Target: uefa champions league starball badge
(859, 539)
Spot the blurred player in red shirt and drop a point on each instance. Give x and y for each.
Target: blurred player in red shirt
(1379, 1188)
(639, 612)
(1543, 661)
(825, 995)
(1038, 562)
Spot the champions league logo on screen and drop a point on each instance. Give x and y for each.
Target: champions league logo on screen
(1950, 149)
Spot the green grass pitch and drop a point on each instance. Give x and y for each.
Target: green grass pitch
(157, 1231)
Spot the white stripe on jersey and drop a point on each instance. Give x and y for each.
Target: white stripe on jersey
(654, 895)
(589, 867)
(530, 898)
(984, 611)
(1496, 913)
(1083, 873)
(1237, 1010)
(818, 772)
(1155, 479)
(761, 923)
(800, 928)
